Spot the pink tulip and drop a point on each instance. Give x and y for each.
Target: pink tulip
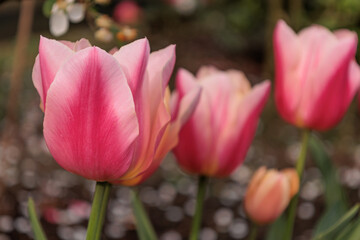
(107, 117)
(269, 193)
(316, 75)
(127, 12)
(217, 136)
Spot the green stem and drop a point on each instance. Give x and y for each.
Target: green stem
(98, 210)
(253, 232)
(199, 207)
(34, 221)
(144, 228)
(300, 169)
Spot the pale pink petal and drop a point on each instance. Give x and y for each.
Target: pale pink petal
(205, 71)
(90, 122)
(160, 66)
(354, 81)
(233, 147)
(78, 45)
(52, 55)
(133, 58)
(113, 50)
(185, 82)
(287, 52)
(37, 80)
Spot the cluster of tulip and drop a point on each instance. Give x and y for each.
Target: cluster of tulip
(110, 117)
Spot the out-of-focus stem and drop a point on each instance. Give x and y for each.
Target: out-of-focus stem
(295, 10)
(300, 164)
(274, 13)
(253, 232)
(194, 235)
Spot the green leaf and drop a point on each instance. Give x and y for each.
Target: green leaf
(34, 221)
(144, 227)
(335, 198)
(329, 217)
(355, 234)
(336, 228)
(351, 231)
(277, 228)
(47, 6)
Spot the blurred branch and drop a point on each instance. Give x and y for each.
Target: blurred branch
(22, 40)
(295, 10)
(275, 12)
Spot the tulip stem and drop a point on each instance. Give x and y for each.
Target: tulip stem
(98, 210)
(253, 232)
(300, 169)
(199, 207)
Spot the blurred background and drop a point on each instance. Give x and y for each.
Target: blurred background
(224, 33)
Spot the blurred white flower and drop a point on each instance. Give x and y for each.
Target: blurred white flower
(104, 35)
(63, 11)
(185, 7)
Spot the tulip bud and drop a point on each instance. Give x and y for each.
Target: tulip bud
(269, 193)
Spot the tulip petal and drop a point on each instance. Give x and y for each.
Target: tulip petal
(205, 71)
(185, 82)
(331, 86)
(233, 151)
(153, 125)
(96, 130)
(271, 197)
(197, 131)
(170, 137)
(287, 55)
(78, 45)
(187, 106)
(160, 66)
(52, 54)
(354, 81)
(133, 58)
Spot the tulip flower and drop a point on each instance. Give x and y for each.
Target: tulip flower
(269, 193)
(107, 117)
(316, 75)
(217, 136)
